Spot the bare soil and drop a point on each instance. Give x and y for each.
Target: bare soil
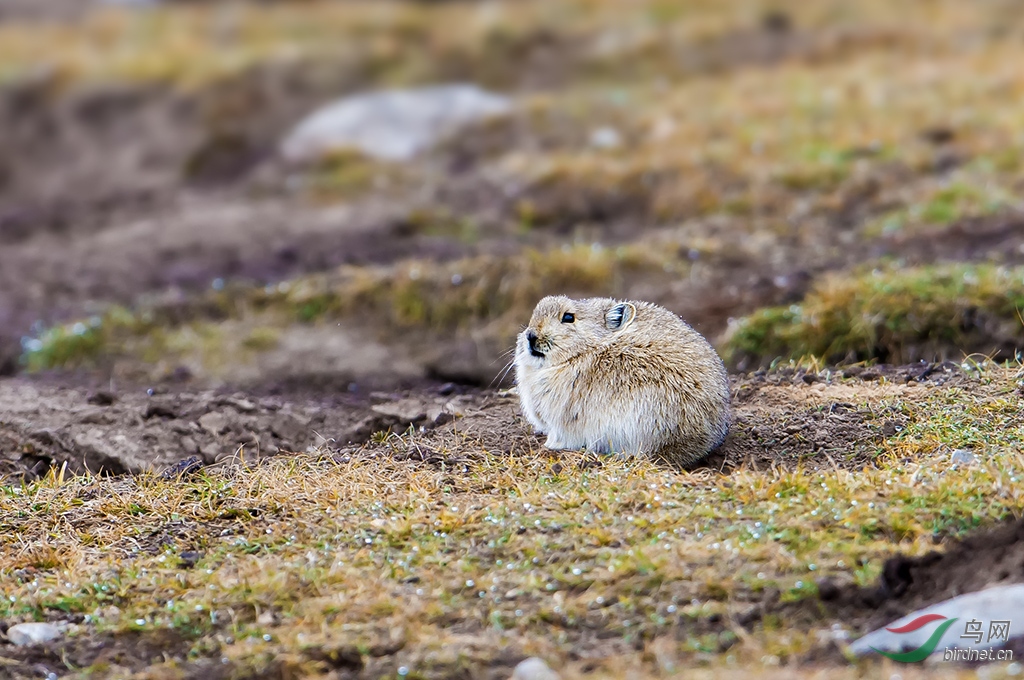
(106, 432)
(132, 652)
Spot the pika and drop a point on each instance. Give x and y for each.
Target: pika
(625, 377)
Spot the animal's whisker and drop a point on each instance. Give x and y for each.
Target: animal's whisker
(507, 353)
(504, 372)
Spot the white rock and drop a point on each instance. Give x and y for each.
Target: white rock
(605, 138)
(32, 633)
(962, 457)
(534, 668)
(391, 125)
(981, 609)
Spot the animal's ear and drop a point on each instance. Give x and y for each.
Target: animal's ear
(619, 316)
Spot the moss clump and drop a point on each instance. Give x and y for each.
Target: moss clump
(63, 345)
(345, 174)
(80, 343)
(894, 315)
(262, 339)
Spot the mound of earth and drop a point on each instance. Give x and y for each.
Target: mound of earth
(907, 584)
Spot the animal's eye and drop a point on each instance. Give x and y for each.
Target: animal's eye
(568, 317)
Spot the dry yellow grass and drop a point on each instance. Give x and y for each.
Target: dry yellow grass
(489, 297)
(437, 567)
(195, 44)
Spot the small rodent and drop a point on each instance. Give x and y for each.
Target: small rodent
(621, 376)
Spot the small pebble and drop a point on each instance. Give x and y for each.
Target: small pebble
(32, 633)
(534, 668)
(961, 457)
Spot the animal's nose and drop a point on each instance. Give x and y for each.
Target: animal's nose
(531, 339)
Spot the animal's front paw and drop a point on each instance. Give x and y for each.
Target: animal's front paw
(555, 444)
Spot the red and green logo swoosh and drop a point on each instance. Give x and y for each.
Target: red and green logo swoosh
(922, 652)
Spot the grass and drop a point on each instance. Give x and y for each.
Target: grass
(305, 564)
(971, 192)
(853, 101)
(895, 315)
(436, 568)
(778, 151)
(490, 297)
(890, 314)
(805, 141)
(906, 130)
(473, 292)
(388, 40)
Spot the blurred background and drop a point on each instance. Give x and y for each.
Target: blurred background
(347, 195)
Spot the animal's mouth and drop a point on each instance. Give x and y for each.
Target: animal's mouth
(532, 342)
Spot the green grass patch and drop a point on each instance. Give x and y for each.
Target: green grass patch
(893, 315)
(968, 197)
(80, 343)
